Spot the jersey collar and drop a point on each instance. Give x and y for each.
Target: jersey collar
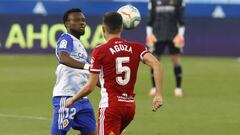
(114, 39)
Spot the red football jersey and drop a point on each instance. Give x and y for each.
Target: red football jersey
(117, 62)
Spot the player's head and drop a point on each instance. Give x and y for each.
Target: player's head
(112, 23)
(74, 21)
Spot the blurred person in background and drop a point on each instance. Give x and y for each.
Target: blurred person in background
(165, 28)
(72, 74)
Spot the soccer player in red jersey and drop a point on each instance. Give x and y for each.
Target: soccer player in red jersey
(115, 64)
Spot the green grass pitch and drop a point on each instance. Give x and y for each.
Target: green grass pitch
(210, 106)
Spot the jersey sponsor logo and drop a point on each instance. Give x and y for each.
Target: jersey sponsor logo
(63, 44)
(81, 57)
(120, 47)
(125, 98)
(165, 9)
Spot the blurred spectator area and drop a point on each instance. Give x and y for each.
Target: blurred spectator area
(187, 1)
(212, 26)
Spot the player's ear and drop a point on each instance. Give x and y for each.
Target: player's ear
(103, 29)
(66, 25)
(121, 29)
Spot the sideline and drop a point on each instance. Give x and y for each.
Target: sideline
(25, 117)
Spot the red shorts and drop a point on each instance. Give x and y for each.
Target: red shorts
(113, 120)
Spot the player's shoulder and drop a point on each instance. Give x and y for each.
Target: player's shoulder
(97, 49)
(135, 44)
(65, 38)
(101, 46)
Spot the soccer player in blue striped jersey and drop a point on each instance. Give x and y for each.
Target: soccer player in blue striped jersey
(72, 73)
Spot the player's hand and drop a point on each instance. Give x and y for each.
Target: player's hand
(179, 41)
(151, 40)
(69, 102)
(157, 103)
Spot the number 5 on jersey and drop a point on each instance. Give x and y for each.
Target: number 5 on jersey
(120, 69)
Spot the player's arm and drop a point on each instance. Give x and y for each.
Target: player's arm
(179, 38)
(181, 15)
(65, 59)
(85, 90)
(92, 81)
(150, 37)
(151, 61)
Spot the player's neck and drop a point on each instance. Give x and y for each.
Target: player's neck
(76, 35)
(111, 36)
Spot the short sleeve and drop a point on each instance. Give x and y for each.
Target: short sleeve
(95, 61)
(65, 43)
(143, 51)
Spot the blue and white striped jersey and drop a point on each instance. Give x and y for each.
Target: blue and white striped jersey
(70, 80)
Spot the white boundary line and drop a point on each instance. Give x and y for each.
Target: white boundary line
(25, 117)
